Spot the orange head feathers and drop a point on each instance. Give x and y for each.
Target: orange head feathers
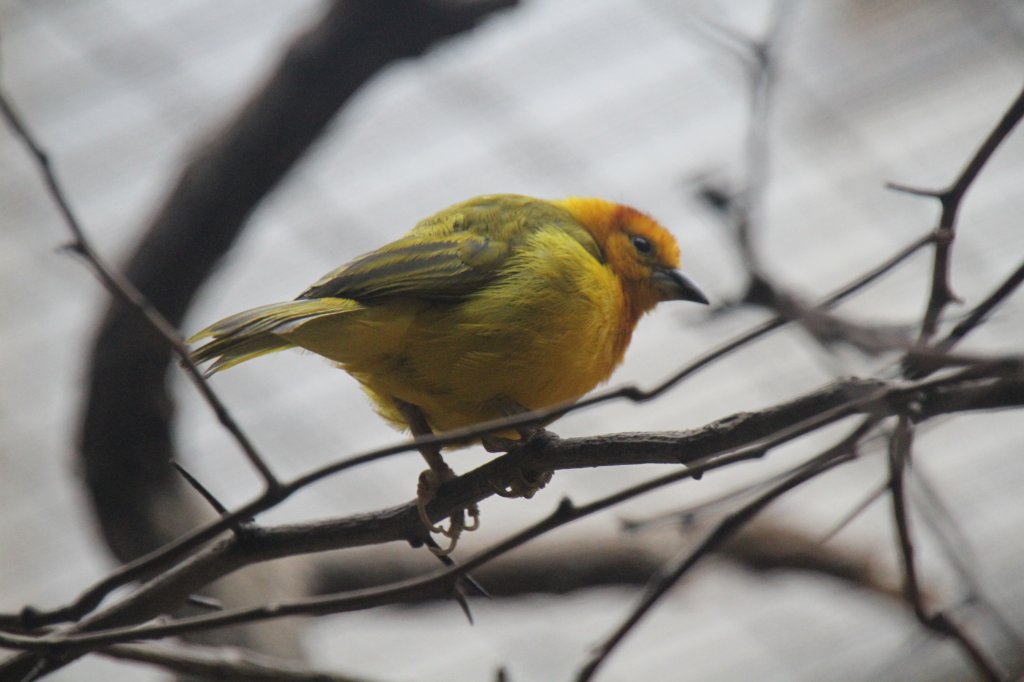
(638, 249)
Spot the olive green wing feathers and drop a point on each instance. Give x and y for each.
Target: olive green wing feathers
(259, 331)
(446, 257)
(436, 266)
(449, 255)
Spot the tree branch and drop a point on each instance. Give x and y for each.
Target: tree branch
(228, 664)
(702, 446)
(939, 622)
(950, 199)
(656, 589)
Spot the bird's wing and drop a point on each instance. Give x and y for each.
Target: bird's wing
(449, 255)
(441, 267)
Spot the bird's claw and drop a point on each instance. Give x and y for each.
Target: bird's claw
(523, 485)
(426, 489)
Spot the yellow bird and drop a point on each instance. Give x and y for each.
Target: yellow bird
(494, 305)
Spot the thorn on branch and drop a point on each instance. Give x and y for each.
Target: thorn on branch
(460, 598)
(447, 561)
(565, 508)
(916, 191)
(204, 602)
(31, 618)
(634, 394)
(73, 248)
(760, 292)
(713, 192)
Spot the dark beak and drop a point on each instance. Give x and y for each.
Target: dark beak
(673, 285)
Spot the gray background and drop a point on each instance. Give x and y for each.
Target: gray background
(624, 100)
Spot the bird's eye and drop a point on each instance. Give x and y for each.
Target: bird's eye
(642, 245)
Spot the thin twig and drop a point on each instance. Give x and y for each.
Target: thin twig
(120, 287)
(950, 199)
(203, 491)
(956, 547)
(981, 311)
(757, 56)
(839, 453)
(873, 496)
(938, 622)
(221, 663)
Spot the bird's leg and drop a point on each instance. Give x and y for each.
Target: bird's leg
(523, 485)
(431, 480)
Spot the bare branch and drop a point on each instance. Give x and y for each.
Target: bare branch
(161, 594)
(981, 311)
(124, 291)
(402, 592)
(221, 663)
(203, 491)
(939, 622)
(841, 452)
(757, 55)
(957, 549)
(951, 199)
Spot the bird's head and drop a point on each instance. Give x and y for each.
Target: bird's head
(641, 252)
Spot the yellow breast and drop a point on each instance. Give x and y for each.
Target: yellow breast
(547, 330)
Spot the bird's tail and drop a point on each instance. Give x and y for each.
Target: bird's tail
(256, 332)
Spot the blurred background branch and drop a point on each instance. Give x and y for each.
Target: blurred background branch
(135, 406)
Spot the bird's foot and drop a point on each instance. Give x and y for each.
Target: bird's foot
(432, 479)
(430, 482)
(525, 484)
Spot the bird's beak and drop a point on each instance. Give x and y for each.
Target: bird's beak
(673, 285)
